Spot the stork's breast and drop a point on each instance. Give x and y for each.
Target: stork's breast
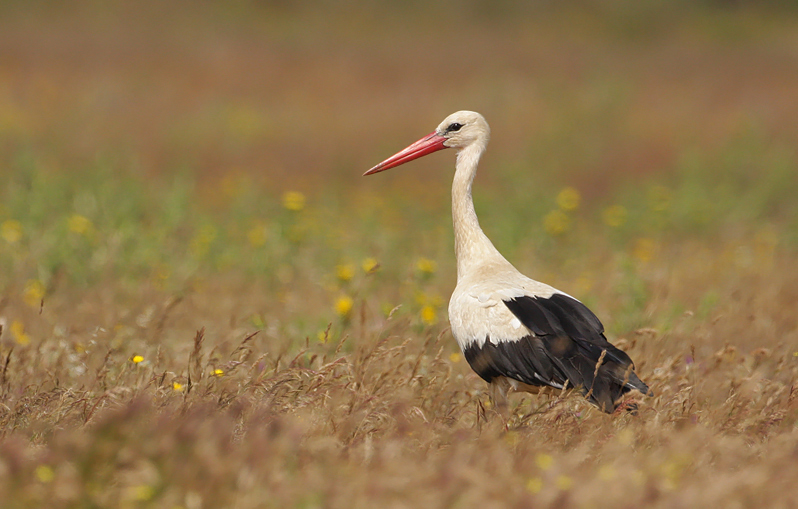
(473, 320)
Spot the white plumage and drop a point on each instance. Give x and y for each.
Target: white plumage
(515, 331)
(477, 310)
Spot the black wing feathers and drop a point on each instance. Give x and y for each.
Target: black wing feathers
(568, 343)
(560, 315)
(520, 360)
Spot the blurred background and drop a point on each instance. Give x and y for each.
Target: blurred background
(163, 141)
(592, 91)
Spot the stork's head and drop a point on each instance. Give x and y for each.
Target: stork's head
(463, 128)
(459, 131)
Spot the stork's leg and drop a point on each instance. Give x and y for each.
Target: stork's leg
(497, 390)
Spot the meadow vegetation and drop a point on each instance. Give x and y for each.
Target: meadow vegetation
(203, 304)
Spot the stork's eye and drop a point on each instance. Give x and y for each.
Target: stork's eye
(454, 127)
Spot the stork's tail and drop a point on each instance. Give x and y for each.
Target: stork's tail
(571, 338)
(604, 378)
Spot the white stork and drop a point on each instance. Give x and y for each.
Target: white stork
(515, 332)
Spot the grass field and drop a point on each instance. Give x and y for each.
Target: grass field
(204, 305)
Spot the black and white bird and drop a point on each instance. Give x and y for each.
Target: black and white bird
(515, 332)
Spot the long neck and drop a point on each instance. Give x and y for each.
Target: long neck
(471, 246)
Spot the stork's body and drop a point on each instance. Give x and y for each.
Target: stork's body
(514, 331)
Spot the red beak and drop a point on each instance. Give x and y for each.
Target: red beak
(426, 145)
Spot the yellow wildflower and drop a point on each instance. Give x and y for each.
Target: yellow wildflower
(564, 482)
(455, 357)
(556, 223)
(45, 473)
(511, 438)
(568, 199)
(607, 472)
(370, 265)
(675, 467)
(18, 331)
(203, 240)
(428, 315)
(257, 235)
(177, 386)
(142, 492)
(534, 485)
(544, 461)
(11, 231)
(343, 306)
(80, 225)
(426, 266)
(614, 215)
(137, 359)
(294, 201)
(644, 249)
(218, 372)
(33, 293)
(345, 271)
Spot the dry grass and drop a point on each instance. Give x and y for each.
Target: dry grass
(397, 422)
(177, 332)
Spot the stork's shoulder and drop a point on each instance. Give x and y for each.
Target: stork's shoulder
(477, 308)
(490, 285)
